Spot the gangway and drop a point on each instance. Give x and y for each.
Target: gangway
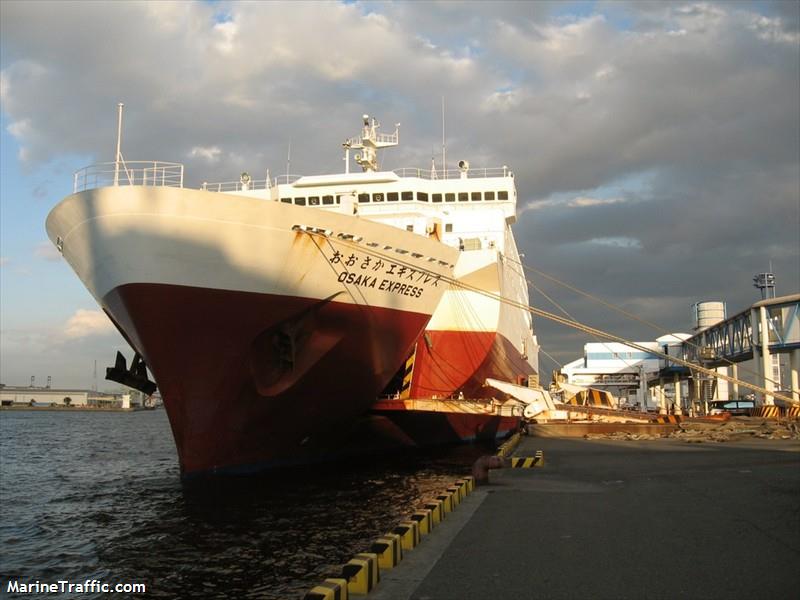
(768, 327)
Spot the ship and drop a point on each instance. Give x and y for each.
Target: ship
(273, 313)
(482, 329)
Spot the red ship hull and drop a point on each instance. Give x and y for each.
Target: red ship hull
(257, 380)
(446, 424)
(449, 362)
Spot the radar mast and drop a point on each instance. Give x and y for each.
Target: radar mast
(369, 142)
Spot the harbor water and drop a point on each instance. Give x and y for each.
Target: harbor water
(97, 496)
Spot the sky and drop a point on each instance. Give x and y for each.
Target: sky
(656, 145)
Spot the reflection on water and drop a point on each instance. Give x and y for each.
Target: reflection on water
(97, 496)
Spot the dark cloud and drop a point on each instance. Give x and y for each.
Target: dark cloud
(659, 141)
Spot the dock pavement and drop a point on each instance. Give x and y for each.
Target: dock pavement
(619, 519)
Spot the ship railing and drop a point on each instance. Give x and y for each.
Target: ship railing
(130, 172)
(256, 184)
(235, 186)
(471, 173)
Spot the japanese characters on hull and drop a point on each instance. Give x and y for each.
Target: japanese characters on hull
(368, 272)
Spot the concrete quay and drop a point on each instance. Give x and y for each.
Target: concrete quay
(619, 519)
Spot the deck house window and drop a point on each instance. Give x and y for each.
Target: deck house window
(313, 200)
(476, 196)
(436, 197)
(363, 198)
(450, 197)
(448, 228)
(286, 200)
(338, 198)
(300, 201)
(409, 228)
(488, 196)
(422, 196)
(377, 197)
(502, 195)
(327, 199)
(463, 196)
(392, 196)
(407, 196)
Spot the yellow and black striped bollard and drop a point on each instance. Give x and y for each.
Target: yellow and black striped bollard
(362, 573)
(330, 589)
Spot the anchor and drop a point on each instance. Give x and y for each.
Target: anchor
(135, 378)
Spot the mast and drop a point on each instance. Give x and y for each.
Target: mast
(369, 142)
(444, 146)
(119, 143)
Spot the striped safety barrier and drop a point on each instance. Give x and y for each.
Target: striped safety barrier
(469, 482)
(447, 503)
(437, 511)
(766, 412)
(424, 519)
(362, 573)
(455, 494)
(528, 462)
(330, 589)
(793, 412)
(674, 419)
(389, 549)
(508, 446)
(409, 534)
(408, 373)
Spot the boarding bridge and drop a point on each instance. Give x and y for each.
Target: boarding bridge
(768, 327)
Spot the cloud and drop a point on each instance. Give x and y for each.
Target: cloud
(46, 251)
(86, 323)
(210, 154)
(4, 261)
(695, 103)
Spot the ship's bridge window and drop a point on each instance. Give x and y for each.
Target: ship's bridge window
(286, 200)
(300, 201)
(377, 197)
(476, 196)
(463, 196)
(422, 196)
(448, 228)
(436, 197)
(407, 196)
(449, 197)
(363, 197)
(392, 196)
(502, 195)
(327, 199)
(488, 196)
(313, 200)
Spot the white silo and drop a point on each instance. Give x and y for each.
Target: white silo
(707, 314)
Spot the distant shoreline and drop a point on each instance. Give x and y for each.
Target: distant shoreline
(74, 408)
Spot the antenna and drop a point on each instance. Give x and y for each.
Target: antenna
(288, 160)
(119, 143)
(444, 145)
(94, 384)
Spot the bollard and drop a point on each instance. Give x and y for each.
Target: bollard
(437, 512)
(389, 550)
(330, 589)
(409, 534)
(424, 519)
(447, 503)
(480, 470)
(362, 573)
